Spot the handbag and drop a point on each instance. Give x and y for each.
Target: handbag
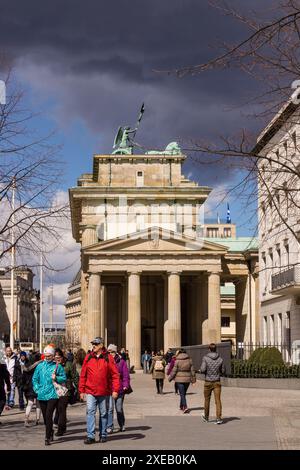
(60, 389)
(128, 390)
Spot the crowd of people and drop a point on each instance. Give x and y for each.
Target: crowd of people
(50, 381)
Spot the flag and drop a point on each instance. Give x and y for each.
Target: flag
(228, 218)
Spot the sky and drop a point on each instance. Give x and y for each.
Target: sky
(86, 68)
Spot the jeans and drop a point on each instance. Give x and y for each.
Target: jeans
(182, 389)
(11, 395)
(119, 409)
(92, 403)
(146, 367)
(21, 398)
(208, 388)
(48, 408)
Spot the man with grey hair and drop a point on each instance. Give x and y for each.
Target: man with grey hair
(213, 367)
(99, 379)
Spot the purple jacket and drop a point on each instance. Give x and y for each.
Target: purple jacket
(124, 373)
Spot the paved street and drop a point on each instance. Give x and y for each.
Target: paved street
(253, 419)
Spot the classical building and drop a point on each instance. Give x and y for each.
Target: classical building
(149, 276)
(26, 306)
(279, 230)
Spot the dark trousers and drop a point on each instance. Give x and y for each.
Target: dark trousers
(2, 404)
(48, 408)
(21, 398)
(159, 385)
(60, 417)
(182, 388)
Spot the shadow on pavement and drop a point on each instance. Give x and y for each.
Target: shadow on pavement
(233, 418)
(197, 409)
(116, 437)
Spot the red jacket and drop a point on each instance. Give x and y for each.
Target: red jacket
(99, 376)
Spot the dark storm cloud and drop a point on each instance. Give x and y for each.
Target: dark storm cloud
(98, 59)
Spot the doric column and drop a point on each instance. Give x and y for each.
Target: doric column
(133, 330)
(204, 309)
(94, 306)
(166, 321)
(102, 310)
(158, 320)
(214, 308)
(174, 310)
(199, 300)
(242, 309)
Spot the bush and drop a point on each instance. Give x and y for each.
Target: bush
(256, 355)
(266, 357)
(246, 369)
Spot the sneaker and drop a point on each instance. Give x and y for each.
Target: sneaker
(26, 424)
(109, 430)
(103, 440)
(89, 440)
(219, 421)
(186, 410)
(122, 429)
(204, 418)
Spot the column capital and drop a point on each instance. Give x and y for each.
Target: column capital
(174, 271)
(138, 272)
(96, 273)
(209, 273)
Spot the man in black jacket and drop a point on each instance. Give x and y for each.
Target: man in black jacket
(4, 379)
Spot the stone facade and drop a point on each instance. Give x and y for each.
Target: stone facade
(279, 229)
(149, 276)
(26, 306)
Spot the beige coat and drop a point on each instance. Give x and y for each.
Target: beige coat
(183, 370)
(157, 374)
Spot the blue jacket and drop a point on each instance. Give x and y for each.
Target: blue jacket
(42, 380)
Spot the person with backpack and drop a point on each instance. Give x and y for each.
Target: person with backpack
(183, 372)
(213, 367)
(157, 370)
(99, 379)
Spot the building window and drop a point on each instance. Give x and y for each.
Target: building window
(279, 328)
(212, 232)
(265, 330)
(287, 253)
(278, 251)
(225, 322)
(272, 336)
(140, 178)
(271, 259)
(227, 232)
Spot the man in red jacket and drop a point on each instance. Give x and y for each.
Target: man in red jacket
(99, 379)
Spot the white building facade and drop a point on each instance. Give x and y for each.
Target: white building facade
(279, 230)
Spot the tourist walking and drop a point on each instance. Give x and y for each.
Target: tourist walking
(30, 395)
(124, 386)
(45, 374)
(183, 373)
(10, 361)
(99, 379)
(4, 380)
(213, 367)
(170, 368)
(145, 362)
(60, 417)
(157, 370)
(17, 378)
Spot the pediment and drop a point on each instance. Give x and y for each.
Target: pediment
(155, 239)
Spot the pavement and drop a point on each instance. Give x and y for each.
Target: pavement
(254, 419)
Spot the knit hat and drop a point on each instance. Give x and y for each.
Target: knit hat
(23, 353)
(112, 347)
(49, 350)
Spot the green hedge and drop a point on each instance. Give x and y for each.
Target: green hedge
(246, 369)
(269, 356)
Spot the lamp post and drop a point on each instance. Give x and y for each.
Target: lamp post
(41, 302)
(12, 272)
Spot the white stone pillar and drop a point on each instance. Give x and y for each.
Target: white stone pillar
(102, 314)
(214, 308)
(94, 306)
(133, 331)
(174, 310)
(199, 300)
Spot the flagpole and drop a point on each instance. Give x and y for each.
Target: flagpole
(12, 272)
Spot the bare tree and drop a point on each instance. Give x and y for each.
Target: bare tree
(270, 54)
(29, 166)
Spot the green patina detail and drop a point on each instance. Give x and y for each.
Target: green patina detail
(171, 149)
(238, 244)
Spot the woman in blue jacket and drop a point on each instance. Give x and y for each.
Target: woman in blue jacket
(44, 375)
